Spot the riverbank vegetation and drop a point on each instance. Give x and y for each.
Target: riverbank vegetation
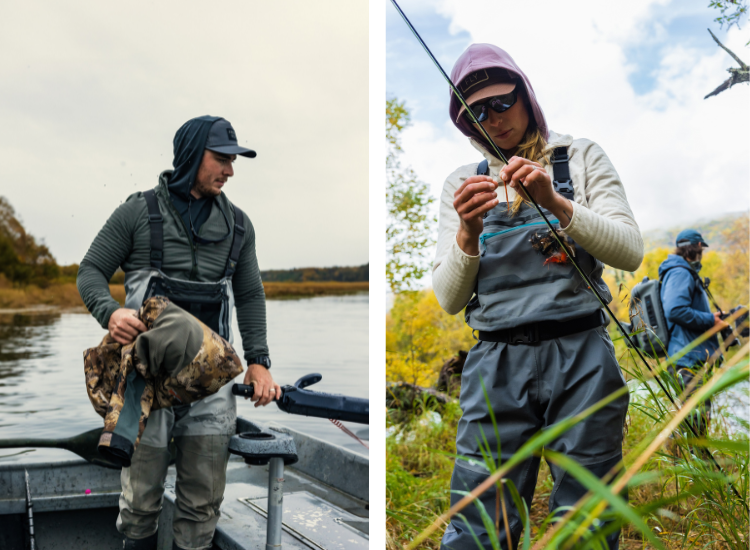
(31, 278)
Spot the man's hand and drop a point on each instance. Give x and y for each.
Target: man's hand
(265, 389)
(719, 322)
(124, 325)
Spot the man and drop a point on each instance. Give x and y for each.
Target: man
(688, 311)
(187, 241)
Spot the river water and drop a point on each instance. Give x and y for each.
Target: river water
(42, 387)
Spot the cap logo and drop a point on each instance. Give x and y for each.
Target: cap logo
(473, 79)
(231, 135)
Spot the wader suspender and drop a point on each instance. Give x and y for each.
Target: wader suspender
(156, 225)
(561, 180)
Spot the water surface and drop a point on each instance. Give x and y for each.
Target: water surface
(42, 385)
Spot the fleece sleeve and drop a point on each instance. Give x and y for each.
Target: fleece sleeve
(678, 287)
(250, 299)
(606, 228)
(111, 247)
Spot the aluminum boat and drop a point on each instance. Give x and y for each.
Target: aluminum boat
(75, 503)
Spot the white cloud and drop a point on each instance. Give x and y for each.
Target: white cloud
(680, 157)
(92, 94)
(434, 153)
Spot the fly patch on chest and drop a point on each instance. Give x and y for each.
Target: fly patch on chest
(548, 246)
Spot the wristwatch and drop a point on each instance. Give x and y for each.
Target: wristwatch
(264, 360)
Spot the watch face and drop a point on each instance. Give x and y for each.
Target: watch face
(263, 360)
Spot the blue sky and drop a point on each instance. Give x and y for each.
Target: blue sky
(631, 77)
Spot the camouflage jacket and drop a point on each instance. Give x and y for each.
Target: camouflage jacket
(178, 360)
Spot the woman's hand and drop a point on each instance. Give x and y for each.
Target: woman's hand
(520, 172)
(475, 197)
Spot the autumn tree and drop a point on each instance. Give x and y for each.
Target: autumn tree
(22, 259)
(410, 224)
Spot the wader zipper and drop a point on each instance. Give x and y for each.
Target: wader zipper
(193, 246)
(483, 238)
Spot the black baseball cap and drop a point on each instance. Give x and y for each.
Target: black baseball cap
(222, 139)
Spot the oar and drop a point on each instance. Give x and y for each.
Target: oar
(84, 445)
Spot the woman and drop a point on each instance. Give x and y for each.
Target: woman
(543, 352)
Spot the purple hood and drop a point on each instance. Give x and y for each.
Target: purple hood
(485, 56)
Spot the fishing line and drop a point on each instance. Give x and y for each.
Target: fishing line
(561, 242)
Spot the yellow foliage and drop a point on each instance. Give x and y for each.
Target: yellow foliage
(730, 271)
(420, 337)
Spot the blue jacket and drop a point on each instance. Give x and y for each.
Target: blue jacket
(687, 310)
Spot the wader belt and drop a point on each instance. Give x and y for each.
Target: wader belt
(156, 225)
(561, 181)
(543, 330)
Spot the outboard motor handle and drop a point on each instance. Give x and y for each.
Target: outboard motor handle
(297, 400)
(308, 380)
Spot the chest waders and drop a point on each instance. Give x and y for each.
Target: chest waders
(201, 430)
(544, 355)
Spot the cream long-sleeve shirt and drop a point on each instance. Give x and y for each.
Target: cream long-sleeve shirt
(602, 221)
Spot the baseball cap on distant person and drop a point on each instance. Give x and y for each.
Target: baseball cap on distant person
(222, 139)
(690, 236)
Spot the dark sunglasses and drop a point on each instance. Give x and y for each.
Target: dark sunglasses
(498, 103)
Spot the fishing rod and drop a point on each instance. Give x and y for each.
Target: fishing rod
(29, 512)
(560, 241)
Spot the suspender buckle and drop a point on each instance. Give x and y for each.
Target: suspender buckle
(563, 186)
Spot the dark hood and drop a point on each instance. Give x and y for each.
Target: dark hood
(485, 56)
(189, 144)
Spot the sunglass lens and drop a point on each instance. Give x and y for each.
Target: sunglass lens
(502, 102)
(480, 112)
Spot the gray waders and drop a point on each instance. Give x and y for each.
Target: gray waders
(543, 355)
(201, 430)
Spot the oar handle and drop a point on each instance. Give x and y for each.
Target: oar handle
(16, 443)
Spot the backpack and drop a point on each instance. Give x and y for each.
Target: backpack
(647, 315)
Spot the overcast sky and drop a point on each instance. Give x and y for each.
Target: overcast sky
(629, 75)
(93, 92)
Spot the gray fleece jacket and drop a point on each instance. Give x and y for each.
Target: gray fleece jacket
(124, 242)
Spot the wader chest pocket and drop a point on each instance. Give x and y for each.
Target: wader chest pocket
(207, 302)
(517, 284)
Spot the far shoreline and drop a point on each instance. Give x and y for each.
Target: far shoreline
(64, 296)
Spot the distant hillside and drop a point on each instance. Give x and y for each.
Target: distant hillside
(711, 229)
(317, 274)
